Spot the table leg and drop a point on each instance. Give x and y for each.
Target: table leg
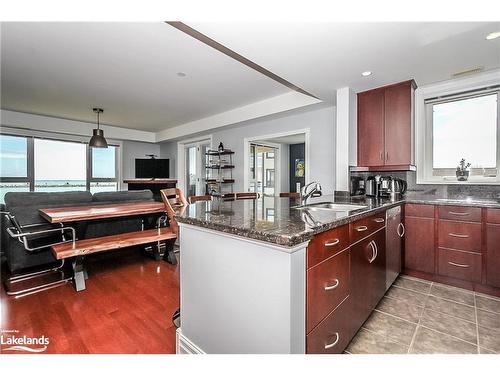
(79, 273)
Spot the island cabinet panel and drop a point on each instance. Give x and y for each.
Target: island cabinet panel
(458, 213)
(371, 128)
(419, 243)
(493, 252)
(327, 287)
(334, 333)
(459, 235)
(326, 244)
(367, 276)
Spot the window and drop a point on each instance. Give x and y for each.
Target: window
(47, 165)
(13, 165)
(462, 127)
(270, 178)
(103, 171)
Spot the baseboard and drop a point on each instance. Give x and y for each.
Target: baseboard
(184, 346)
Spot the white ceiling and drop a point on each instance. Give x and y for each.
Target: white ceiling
(322, 57)
(128, 69)
(288, 139)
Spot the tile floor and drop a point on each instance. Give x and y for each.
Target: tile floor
(418, 316)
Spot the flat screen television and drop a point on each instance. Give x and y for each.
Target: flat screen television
(152, 168)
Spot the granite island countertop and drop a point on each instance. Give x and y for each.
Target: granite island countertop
(275, 220)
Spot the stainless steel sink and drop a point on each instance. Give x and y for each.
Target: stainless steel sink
(330, 206)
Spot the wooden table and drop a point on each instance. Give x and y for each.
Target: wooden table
(100, 211)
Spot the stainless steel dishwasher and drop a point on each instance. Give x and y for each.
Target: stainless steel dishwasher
(394, 233)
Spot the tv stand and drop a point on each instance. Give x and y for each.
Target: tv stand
(153, 184)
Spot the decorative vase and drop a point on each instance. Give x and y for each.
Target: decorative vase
(462, 175)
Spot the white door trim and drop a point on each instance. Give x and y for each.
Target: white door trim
(181, 158)
(246, 146)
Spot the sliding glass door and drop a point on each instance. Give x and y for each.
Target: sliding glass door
(262, 174)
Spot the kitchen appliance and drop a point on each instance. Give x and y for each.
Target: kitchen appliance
(357, 185)
(391, 187)
(394, 233)
(371, 186)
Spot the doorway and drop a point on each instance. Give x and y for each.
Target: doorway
(192, 166)
(262, 172)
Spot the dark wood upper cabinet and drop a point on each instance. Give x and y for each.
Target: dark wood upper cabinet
(385, 126)
(371, 128)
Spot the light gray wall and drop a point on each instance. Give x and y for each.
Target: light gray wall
(168, 150)
(320, 119)
(132, 150)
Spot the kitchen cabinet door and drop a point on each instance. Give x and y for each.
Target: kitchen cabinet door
(367, 276)
(419, 244)
(394, 242)
(493, 255)
(371, 128)
(398, 123)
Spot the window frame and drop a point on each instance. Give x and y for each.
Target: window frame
(477, 85)
(31, 136)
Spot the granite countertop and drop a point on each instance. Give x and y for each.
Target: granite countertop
(275, 220)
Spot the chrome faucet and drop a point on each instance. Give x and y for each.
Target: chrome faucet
(315, 191)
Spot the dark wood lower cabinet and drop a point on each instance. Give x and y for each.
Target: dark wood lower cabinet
(419, 244)
(367, 276)
(493, 254)
(334, 333)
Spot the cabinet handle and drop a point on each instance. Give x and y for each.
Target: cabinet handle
(334, 286)
(387, 156)
(381, 155)
(361, 228)
(402, 226)
(458, 235)
(458, 265)
(459, 213)
(374, 251)
(337, 337)
(332, 243)
(379, 220)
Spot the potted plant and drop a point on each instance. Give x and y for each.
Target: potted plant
(463, 171)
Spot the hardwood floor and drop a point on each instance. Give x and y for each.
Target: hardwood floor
(126, 308)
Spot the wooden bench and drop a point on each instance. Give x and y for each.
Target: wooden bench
(80, 248)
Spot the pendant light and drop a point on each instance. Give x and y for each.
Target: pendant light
(98, 139)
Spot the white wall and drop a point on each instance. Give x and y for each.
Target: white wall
(168, 150)
(318, 118)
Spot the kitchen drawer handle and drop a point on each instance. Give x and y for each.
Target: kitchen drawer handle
(337, 337)
(459, 213)
(374, 251)
(402, 226)
(361, 228)
(379, 220)
(334, 286)
(332, 243)
(458, 265)
(458, 235)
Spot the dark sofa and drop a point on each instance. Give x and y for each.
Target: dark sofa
(24, 206)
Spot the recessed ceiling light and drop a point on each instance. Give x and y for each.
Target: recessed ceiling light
(181, 74)
(366, 74)
(494, 35)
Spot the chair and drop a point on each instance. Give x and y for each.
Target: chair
(173, 199)
(199, 198)
(247, 195)
(289, 195)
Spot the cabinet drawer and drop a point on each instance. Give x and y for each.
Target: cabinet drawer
(459, 235)
(327, 286)
(419, 210)
(326, 244)
(460, 213)
(493, 216)
(460, 265)
(333, 334)
(364, 227)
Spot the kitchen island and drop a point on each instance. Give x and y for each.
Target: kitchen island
(249, 269)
